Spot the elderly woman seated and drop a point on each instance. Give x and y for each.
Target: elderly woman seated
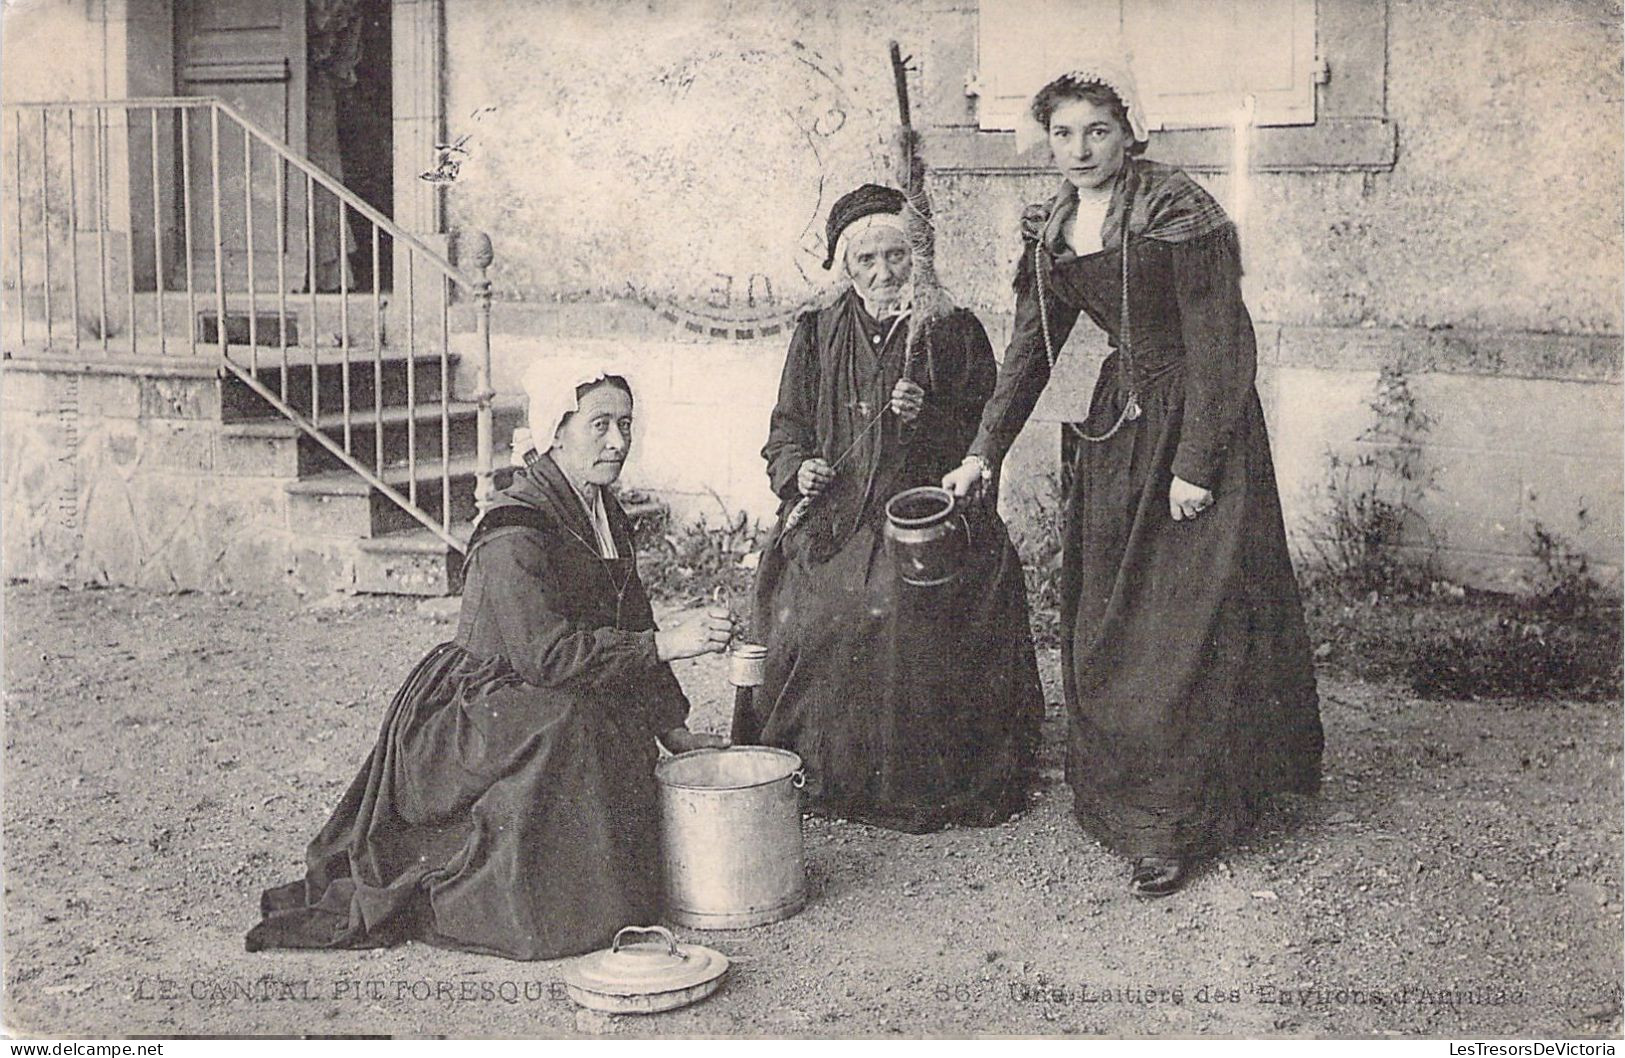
(508, 806)
(912, 708)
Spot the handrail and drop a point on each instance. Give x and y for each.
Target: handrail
(309, 168)
(475, 283)
(370, 477)
(351, 199)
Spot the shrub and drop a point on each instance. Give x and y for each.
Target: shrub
(1371, 502)
(1378, 610)
(1564, 586)
(696, 563)
(1562, 639)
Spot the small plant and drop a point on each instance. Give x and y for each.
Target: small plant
(1560, 639)
(1565, 586)
(697, 563)
(1511, 652)
(1038, 538)
(1373, 499)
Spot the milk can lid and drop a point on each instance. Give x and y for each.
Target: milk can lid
(647, 967)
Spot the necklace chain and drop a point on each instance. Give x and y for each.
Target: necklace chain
(1125, 356)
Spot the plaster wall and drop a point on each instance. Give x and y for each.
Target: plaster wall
(1486, 261)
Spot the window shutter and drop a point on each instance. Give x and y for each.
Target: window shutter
(1195, 60)
(1022, 44)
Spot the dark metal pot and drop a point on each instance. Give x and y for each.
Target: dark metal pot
(926, 535)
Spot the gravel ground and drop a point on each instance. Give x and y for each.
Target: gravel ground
(169, 756)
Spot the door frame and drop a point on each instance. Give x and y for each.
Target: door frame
(417, 73)
(417, 61)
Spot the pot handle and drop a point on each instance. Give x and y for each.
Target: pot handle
(798, 778)
(659, 931)
(960, 506)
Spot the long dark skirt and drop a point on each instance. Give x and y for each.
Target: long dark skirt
(911, 707)
(1189, 680)
(492, 816)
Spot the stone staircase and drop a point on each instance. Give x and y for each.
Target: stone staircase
(368, 542)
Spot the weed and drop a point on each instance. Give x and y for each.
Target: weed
(1380, 612)
(1038, 536)
(1372, 500)
(1561, 639)
(699, 562)
(1564, 586)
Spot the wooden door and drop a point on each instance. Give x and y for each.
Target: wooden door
(250, 54)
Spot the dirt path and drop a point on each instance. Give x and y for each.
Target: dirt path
(169, 756)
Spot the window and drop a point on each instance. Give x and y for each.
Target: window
(1195, 60)
(1316, 69)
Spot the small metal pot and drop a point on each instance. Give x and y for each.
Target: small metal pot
(926, 536)
(646, 977)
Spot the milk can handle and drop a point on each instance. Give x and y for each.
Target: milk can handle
(798, 778)
(662, 931)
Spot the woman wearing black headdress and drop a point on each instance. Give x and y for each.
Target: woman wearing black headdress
(913, 708)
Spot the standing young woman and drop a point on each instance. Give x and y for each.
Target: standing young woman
(1189, 680)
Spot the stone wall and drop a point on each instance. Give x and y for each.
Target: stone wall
(648, 171)
(128, 476)
(1484, 260)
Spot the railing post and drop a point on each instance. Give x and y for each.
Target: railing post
(479, 258)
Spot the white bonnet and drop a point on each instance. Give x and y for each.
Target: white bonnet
(550, 393)
(1118, 75)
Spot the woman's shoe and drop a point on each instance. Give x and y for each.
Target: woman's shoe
(1156, 876)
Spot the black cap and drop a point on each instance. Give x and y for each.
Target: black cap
(870, 198)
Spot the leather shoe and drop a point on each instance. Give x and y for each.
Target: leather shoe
(1156, 876)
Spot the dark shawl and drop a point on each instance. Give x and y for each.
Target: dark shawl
(1189, 684)
(836, 379)
(509, 804)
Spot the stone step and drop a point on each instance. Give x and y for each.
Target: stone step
(309, 458)
(323, 324)
(417, 562)
(342, 503)
(239, 402)
(184, 326)
(413, 562)
(173, 325)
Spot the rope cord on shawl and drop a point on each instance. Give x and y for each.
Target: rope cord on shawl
(1125, 355)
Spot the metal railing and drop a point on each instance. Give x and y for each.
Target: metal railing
(183, 184)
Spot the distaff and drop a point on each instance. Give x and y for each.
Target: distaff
(908, 713)
(872, 247)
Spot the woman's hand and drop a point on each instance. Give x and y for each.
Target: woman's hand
(681, 740)
(965, 479)
(907, 398)
(700, 633)
(1186, 500)
(814, 477)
